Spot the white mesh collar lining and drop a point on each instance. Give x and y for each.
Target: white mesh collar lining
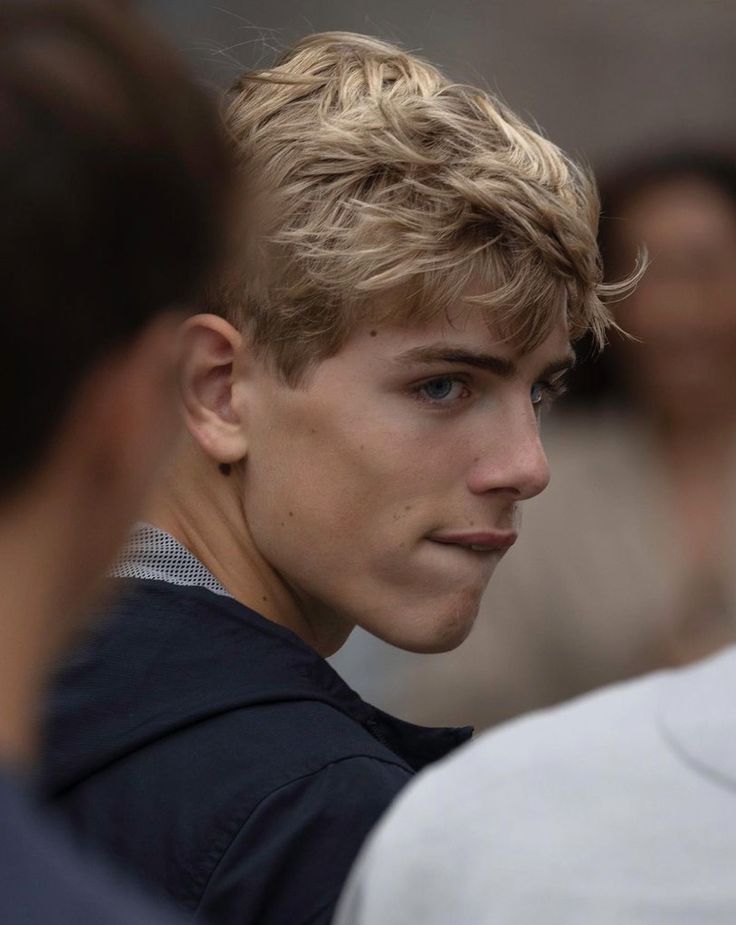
(153, 553)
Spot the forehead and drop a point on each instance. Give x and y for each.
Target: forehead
(476, 314)
(467, 329)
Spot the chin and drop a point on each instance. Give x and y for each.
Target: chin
(435, 632)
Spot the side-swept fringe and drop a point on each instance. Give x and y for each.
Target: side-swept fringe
(385, 188)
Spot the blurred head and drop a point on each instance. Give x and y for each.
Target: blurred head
(113, 176)
(682, 207)
(421, 262)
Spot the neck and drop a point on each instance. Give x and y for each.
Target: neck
(33, 628)
(202, 509)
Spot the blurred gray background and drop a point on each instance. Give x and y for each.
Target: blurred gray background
(602, 77)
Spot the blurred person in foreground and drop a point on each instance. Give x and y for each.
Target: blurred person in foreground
(627, 563)
(621, 806)
(363, 424)
(112, 185)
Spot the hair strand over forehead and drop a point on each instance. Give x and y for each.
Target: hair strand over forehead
(384, 184)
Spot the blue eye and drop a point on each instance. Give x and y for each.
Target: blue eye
(442, 390)
(545, 392)
(438, 389)
(538, 393)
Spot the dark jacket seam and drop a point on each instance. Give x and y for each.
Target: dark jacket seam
(240, 825)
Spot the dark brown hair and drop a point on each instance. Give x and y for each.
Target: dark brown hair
(113, 180)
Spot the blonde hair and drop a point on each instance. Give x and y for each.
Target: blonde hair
(386, 190)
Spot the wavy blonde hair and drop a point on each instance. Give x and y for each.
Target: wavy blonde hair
(385, 191)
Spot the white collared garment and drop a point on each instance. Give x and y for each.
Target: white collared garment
(155, 554)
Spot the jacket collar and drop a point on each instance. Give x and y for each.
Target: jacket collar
(166, 656)
(153, 553)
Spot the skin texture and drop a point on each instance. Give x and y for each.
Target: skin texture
(339, 488)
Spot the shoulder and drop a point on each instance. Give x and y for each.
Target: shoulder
(346, 796)
(311, 827)
(311, 766)
(575, 739)
(593, 801)
(533, 764)
(210, 778)
(311, 748)
(272, 744)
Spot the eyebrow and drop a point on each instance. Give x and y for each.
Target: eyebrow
(506, 369)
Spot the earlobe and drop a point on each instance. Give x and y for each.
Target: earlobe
(210, 348)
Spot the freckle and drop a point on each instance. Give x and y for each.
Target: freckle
(472, 523)
(362, 446)
(312, 430)
(291, 513)
(374, 333)
(477, 459)
(283, 524)
(264, 599)
(408, 507)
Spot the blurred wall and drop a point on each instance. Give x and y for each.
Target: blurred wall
(602, 77)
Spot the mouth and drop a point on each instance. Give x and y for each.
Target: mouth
(480, 541)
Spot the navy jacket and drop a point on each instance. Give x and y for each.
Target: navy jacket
(219, 756)
(43, 882)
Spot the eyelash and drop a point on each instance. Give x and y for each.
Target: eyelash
(551, 391)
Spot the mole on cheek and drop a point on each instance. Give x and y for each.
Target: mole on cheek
(374, 333)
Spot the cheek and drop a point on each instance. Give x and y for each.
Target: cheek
(332, 499)
(339, 519)
(310, 490)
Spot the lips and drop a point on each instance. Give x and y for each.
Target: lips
(478, 540)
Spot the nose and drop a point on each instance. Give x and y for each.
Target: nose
(513, 461)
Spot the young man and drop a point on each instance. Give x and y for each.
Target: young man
(363, 421)
(112, 187)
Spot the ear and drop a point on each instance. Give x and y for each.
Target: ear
(210, 348)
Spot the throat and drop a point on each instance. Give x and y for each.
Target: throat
(230, 565)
